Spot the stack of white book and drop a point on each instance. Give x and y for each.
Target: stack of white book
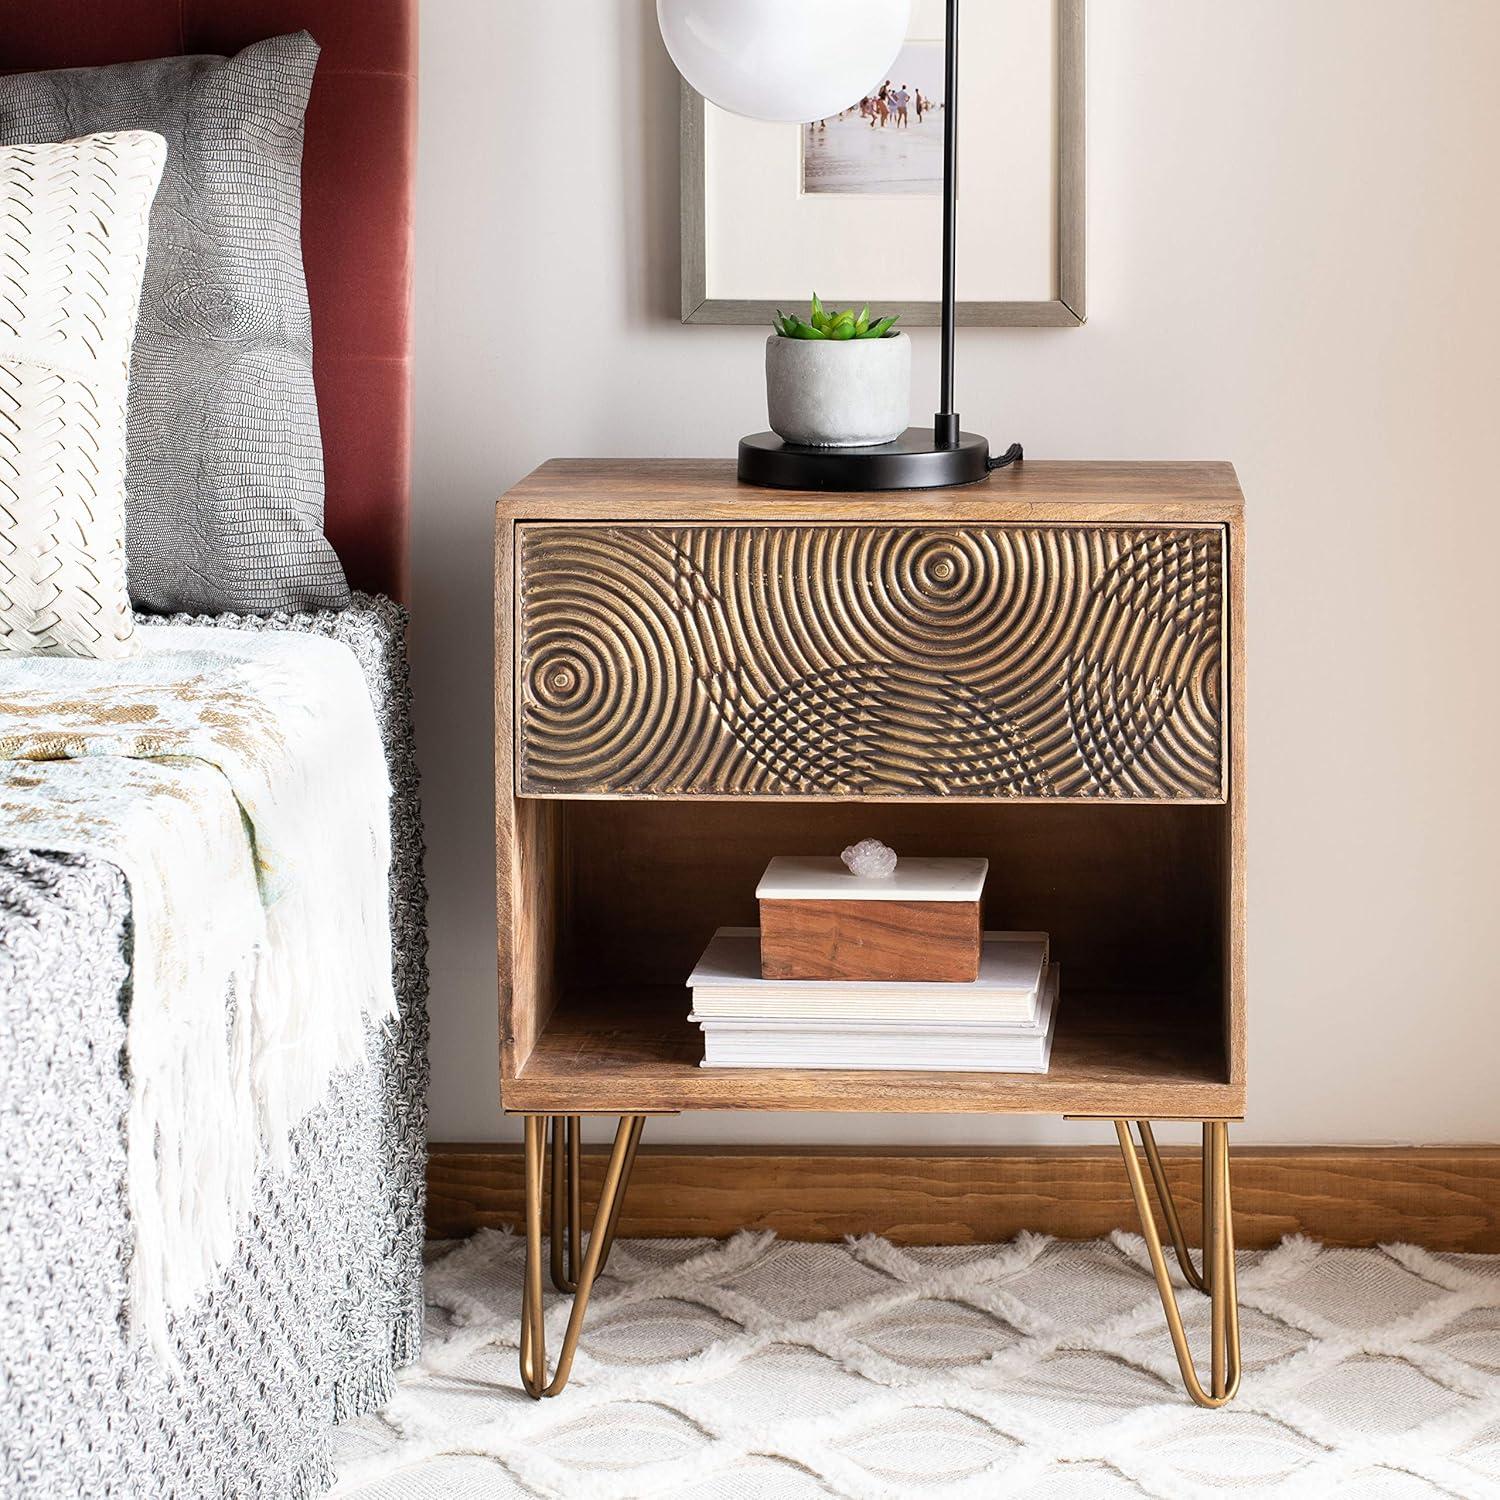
(1001, 1023)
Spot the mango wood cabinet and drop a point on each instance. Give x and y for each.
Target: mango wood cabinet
(693, 676)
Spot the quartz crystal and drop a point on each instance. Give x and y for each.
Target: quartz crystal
(870, 859)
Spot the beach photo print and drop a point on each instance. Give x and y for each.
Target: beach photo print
(888, 142)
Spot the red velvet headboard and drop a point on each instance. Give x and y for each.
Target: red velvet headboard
(356, 218)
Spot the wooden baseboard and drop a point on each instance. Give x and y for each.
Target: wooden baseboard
(1447, 1198)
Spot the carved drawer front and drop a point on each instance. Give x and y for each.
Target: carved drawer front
(870, 660)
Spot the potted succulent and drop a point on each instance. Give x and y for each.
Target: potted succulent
(839, 380)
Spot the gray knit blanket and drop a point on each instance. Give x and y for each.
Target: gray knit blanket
(320, 1303)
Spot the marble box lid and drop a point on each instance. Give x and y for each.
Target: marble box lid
(816, 877)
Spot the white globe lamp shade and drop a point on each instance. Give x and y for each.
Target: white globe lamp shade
(784, 59)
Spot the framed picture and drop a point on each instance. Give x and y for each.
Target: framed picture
(851, 207)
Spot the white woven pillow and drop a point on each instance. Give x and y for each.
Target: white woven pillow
(73, 227)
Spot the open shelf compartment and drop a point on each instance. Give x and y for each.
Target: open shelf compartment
(609, 904)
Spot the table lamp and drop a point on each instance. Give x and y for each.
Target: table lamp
(806, 60)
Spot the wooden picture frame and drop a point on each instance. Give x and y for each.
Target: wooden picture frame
(1065, 310)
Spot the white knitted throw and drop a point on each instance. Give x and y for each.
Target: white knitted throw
(237, 779)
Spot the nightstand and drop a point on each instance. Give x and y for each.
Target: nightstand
(693, 675)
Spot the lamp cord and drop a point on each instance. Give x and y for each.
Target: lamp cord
(1012, 455)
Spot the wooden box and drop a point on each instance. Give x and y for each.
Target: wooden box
(923, 923)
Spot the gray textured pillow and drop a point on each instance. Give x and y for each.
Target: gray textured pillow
(225, 472)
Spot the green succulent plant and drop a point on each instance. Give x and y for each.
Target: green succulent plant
(832, 324)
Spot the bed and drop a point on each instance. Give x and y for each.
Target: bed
(321, 1302)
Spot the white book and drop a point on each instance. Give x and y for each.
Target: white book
(886, 1046)
(727, 983)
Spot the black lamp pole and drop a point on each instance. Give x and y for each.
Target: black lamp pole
(945, 424)
(919, 459)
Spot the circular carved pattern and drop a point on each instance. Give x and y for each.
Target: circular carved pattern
(603, 662)
(565, 681)
(875, 660)
(1144, 672)
(939, 571)
(935, 597)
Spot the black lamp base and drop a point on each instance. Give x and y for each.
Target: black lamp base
(912, 462)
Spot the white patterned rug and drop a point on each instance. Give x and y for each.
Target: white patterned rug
(760, 1367)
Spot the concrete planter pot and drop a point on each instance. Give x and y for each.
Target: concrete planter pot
(851, 394)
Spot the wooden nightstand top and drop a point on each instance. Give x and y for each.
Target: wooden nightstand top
(704, 489)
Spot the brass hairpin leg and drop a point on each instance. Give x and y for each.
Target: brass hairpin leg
(1168, 1201)
(631, 1147)
(566, 1202)
(1217, 1279)
(606, 1216)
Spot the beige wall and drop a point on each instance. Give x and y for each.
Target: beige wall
(1294, 243)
